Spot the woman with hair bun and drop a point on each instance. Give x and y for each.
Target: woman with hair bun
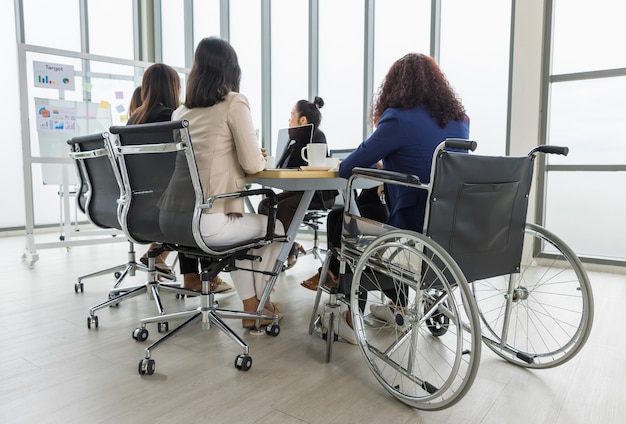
(303, 113)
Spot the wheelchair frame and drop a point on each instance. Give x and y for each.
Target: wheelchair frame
(426, 350)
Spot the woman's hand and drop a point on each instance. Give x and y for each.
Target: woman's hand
(263, 152)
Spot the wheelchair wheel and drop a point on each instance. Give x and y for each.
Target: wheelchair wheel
(421, 358)
(541, 317)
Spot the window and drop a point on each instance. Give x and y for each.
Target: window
(588, 117)
(290, 60)
(173, 36)
(396, 34)
(52, 24)
(245, 30)
(587, 36)
(475, 39)
(341, 47)
(111, 28)
(206, 20)
(583, 200)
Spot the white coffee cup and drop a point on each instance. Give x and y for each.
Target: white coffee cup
(270, 162)
(314, 154)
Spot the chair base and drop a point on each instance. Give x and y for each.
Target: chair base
(317, 251)
(209, 315)
(152, 286)
(120, 271)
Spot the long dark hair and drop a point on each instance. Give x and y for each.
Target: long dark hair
(215, 73)
(135, 101)
(311, 110)
(160, 84)
(416, 80)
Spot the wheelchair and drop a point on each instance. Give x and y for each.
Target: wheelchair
(477, 274)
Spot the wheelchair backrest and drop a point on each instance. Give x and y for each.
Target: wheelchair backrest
(477, 210)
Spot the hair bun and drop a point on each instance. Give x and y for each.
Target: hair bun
(318, 102)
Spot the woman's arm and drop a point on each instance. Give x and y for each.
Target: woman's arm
(379, 145)
(241, 126)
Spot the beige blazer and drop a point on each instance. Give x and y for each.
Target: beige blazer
(225, 146)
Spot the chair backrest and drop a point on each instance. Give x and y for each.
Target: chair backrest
(477, 210)
(163, 197)
(99, 188)
(148, 155)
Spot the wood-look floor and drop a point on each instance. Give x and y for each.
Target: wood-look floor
(54, 370)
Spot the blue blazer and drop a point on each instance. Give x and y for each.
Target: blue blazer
(404, 140)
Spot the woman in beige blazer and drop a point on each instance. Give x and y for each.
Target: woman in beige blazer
(226, 149)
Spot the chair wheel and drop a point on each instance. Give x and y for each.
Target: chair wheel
(92, 320)
(140, 334)
(243, 362)
(146, 366)
(78, 287)
(163, 327)
(272, 330)
(117, 274)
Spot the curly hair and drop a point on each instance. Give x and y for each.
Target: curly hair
(416, 80)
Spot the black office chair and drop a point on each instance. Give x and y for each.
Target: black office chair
(164, 202)
(98, 196)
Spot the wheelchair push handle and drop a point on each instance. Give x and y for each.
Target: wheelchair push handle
(557, 150)
(461, 144)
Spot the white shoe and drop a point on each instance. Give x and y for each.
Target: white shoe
(344, 330)
(385, 313)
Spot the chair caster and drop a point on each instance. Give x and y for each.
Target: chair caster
(92, 320)
(78, 288)
(146, 366)
(117, 274)
(243, 362)
(163, 327)
(272, 330)
(140, 334)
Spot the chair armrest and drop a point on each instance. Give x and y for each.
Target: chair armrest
(273, 206)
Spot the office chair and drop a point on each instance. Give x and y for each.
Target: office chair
(98, 195)
(315, 218)
(166, 206)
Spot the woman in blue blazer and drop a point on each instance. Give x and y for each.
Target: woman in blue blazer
(414, 111)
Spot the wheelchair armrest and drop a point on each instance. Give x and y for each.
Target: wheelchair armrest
(383, 174)
(273, 206)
